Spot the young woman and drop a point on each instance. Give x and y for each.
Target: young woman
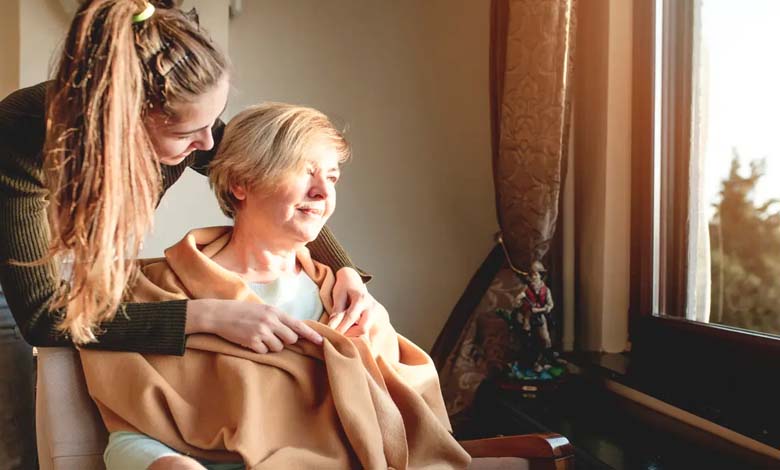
(84, 160)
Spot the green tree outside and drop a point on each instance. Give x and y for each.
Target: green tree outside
(745, 252)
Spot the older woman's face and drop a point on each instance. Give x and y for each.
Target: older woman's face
(303, 201)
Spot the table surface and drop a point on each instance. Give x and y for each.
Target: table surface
(607, 431)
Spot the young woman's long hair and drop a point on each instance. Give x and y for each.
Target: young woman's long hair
(102, 172)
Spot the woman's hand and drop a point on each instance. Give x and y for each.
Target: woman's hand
(353, 306)
(261, 328)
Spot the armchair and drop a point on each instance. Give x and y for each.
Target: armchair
(71, 435)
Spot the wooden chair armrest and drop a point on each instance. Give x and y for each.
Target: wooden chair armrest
(529, 446)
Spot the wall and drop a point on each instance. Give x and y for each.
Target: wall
(602, 150)
(9, 53)
(42, 24)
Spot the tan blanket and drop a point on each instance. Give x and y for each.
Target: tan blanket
(365, 402)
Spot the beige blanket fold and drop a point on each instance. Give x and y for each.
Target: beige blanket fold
(369, 402)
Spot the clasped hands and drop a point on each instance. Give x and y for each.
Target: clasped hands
(264, 328)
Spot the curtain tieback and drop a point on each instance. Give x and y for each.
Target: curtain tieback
(500, 240)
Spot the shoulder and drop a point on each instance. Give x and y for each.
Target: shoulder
(318, 272)
(157, 282)
(30, 99)
(25, 103)
(22, 118)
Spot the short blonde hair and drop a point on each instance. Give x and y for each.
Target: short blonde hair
(263, 144)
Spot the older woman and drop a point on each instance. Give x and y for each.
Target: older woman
(366, 399)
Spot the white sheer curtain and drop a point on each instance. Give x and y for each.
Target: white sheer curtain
(699, 263)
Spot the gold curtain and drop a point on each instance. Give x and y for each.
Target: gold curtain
(531, 56)
(530, 64)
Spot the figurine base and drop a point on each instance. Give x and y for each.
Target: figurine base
(530, 388)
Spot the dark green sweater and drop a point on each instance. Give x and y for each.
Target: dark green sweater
(156, 327)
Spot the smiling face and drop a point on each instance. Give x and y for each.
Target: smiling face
(174, 138)
(295, 210)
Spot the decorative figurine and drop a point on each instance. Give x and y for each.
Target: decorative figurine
(529, 324)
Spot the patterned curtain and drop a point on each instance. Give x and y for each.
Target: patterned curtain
(531, 56)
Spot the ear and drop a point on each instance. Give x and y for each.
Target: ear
(239, 192)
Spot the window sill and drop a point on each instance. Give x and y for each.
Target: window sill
(671, 391)
(607, 430)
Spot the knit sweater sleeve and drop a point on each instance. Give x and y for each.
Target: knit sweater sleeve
(327, 250)
(24, 236)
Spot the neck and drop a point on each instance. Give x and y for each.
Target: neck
(254, 257)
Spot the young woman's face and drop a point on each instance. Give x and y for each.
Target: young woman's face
(175, 138)
(296, 210)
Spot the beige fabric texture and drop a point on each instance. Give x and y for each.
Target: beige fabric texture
(371, 402)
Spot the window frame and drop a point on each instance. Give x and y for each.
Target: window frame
(657, 340)
(673, 198)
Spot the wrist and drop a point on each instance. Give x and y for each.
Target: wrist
(198, 316)
(347, 273)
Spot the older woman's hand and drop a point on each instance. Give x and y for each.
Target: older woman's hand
(353, 306)
(262, 328)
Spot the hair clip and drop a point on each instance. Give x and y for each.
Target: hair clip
(145, 14)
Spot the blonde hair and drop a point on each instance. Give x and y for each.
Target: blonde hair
(263, 144)
(101, 168)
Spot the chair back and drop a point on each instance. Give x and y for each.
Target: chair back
(70, 432)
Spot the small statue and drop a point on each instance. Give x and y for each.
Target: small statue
(530, 320)
(537, 303)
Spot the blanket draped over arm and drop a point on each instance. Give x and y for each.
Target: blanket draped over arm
(371, 401)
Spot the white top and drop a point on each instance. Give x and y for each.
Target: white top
(294, 294)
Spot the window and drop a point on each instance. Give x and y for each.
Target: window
(717, 145)
(705, 300)
(715, 166)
